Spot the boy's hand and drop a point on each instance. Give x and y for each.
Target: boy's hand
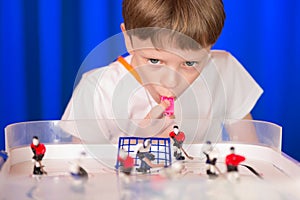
(162, 127)
(157, 111)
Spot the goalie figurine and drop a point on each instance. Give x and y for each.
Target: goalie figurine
(143, 153)
(146, 157)
(38, 150)
(178, 138)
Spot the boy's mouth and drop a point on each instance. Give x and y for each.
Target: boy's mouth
(166, 93)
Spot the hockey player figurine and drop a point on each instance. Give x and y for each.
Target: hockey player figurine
(143, 153)
(211, 154)
(3, 158)
(126, 162)
(77, 172)
(232, 161)
(38, 150)
(178, 138)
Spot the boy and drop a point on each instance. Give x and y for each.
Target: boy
(169, 44)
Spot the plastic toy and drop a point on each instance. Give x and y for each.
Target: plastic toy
(39, 151)
(169, 111)
(232, 161)
(179, 180)
(178, 138)
(76, 171)
(79, 175)
(147, 153)
(211, 154)
(3, 158)
(126, 162)
(145, 156)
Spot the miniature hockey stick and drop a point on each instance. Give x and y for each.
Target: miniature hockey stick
(252, 170)
(185, 153)
(42, 168)
(153, 165)
(219, 171)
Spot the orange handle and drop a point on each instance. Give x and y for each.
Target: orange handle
(130, 69)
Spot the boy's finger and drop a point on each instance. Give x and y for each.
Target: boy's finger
(157, 111)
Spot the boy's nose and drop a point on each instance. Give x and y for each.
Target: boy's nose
(169, 77)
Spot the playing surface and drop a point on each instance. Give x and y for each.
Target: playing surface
(105, 183)
(280, 174)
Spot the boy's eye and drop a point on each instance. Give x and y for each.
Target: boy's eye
(190, 63)
(154, 61)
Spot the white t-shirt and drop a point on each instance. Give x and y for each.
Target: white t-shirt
(224, 89)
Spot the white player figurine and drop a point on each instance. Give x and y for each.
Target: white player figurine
(211, 154)
(76, 171)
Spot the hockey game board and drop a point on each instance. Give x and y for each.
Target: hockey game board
(278, 175)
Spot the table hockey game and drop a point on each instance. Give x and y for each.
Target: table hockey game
(267, 173)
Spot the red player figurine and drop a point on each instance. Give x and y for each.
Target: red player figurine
(126, 162)
(232, 161)
(178, 138)
(38, 150)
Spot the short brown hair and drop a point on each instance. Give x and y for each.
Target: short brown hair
(202, 20)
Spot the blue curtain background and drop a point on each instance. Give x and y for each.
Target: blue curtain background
(43, 43)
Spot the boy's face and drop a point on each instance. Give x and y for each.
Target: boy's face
(168, 72)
